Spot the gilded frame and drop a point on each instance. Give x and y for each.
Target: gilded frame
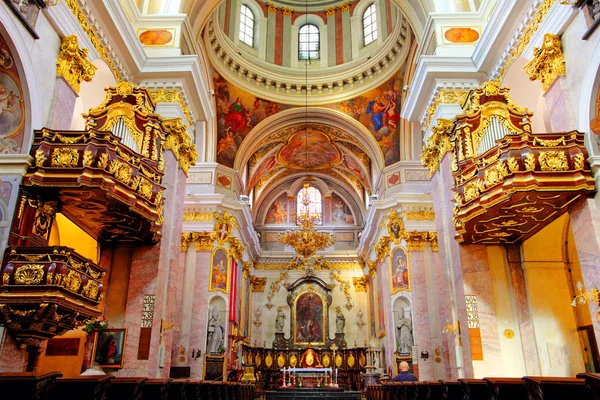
(245, 316)
(395, 227)
(394, 290)
(380, 310)
(324, 326)
(122, 345)
(224, 376)
(227, 270)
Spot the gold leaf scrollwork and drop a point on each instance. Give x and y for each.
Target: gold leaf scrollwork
(31, 274)
(72, 63)
(103, 161)
(90, 290)
(65, 157)
(578, 161)
(72, 282)
(88, 158)
(121, 171)
(40, 157)
(513, 164)
(471, 191)
(495, 174)
(44, 215)
(548, 61)
(549, 143)
(553, 161)
(437, 145)
(529, 162)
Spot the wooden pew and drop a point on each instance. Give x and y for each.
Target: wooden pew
(205, 389)
(375, 392)
(434, 390)
(192, 389)
(543, 388)
(126, 388)
(29, 385)
(248, 390)
(475, 389)
(94, 387)
(507, 388)
(451, 390)
(156, 389)
(592, 381)
(177, 389)
(421, 391)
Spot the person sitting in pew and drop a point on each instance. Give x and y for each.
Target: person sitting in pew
(405, 375)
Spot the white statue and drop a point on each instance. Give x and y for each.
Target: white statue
(340, 321)
(280, 320)
(404, 336)
(216, 334)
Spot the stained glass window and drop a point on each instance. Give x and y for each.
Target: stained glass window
(309, 198)
(247, 26)
(308, 42)
(370, 24)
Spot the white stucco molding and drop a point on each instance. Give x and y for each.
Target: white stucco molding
(15, 164)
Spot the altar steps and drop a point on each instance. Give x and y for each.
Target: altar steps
(584, 387)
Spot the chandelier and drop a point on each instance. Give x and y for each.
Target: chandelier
(306, 240)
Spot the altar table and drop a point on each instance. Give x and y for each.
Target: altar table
(313, 393)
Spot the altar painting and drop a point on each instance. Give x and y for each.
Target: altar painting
(219, 271)
(309, 319)
(399, 271)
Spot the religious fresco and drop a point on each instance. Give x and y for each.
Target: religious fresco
(278, 212)
(12, 108)
(239, 111)
(308, 319)
(399, 271)
(340, 212)
(355, 169)
(311, 150)
(462, 35)
(264, 167)
(219, 268)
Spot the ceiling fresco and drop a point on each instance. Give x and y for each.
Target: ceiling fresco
(239, 111)
(309, 149)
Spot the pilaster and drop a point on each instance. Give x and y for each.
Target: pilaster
(199, 319)
(420, 309)
(271, 32)
(331, 36)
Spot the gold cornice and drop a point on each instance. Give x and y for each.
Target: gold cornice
(420, 216)
(100, 48)
(72, 63)
(330, 265)
(171, 96)
(202, 240)
(197, 216)
(548, 61)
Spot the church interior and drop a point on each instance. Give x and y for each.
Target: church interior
(291, 199)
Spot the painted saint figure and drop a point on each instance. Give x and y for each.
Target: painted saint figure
(219, 276)
(216, 334)
(400, 277)
(404, 336)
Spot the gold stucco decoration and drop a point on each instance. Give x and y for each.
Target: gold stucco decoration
(437, 145)
(64, 157)
(72, 63)
(197, 217)
(31, 274)
(553, 161)
(257, 284)
(360, 283)
(548, 61)
(180, 143)
(420, 216)
(203, 241)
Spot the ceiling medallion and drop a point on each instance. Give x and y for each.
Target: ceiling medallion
(306, 240)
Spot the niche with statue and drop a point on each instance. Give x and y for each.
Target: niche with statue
(403, 327)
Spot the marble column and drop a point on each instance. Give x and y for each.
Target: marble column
(155, 269)
(585, 223)
(199, 318)
(185, 317)
(420, 307)
(558, 100)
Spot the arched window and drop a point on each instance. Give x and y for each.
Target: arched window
(247, 26)
(309, 199)
(370, 24)
(308, 42)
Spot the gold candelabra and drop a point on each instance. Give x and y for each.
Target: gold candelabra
(306, 240)
(585, 295)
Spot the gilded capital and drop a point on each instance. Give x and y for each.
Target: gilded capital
(360, 283)
(287, 12)
(172, 96)
(257, 284)
(180, 143)
(330, 12)
(548, 61)
(437, 145)
(72, 63)
(203, 240)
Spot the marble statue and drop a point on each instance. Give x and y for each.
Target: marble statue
(279, 321)
(404, 337)
(216, 334)
(340, 321)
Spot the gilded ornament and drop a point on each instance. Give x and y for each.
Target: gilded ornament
(90, 290)
(467, 176)
(437, 145)
(351, 360)
(268, 360)
(529, 162)
(549, 143)
(203, 240)
(553, 161)
(548, 61)
(257, 284)
(103, 161)
(345, 288)
(287, 12)
(72, 282)
(444, 96)
(360, 283)
(330, 11)
(338, 360)
(495, 174)
(68, 139)
(40, 157)
(197, 217)
(416, 241)
(88, 158)
(44, 215)
(513, 164)
(326, 360)
(471, 191)
(180, 143)
(420, 216)
(236, 248)
(65, 157)
(172, 96)
(30, 274)
(121, 171)
(280, 360)
(5, 278)
(578, 161)
(72, 63)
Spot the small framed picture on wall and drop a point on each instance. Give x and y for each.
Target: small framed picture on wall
(109, 347)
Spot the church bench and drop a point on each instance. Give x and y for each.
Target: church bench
(126, 388)
(205, 390)
(192, 389)
(375, 392)
(177, 389)
(592, 381)
(452, 390)
(507, 388)
(156, 389)
(434, 390)
(248, 391)
(83, 387)
(420, 391)
(29, 385)
(475, 389)
(217, 391)
(541, 388)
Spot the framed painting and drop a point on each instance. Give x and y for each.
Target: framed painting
(399, 270)
(27, 12)
(309, 319)
(109, 348)
(219, 271)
